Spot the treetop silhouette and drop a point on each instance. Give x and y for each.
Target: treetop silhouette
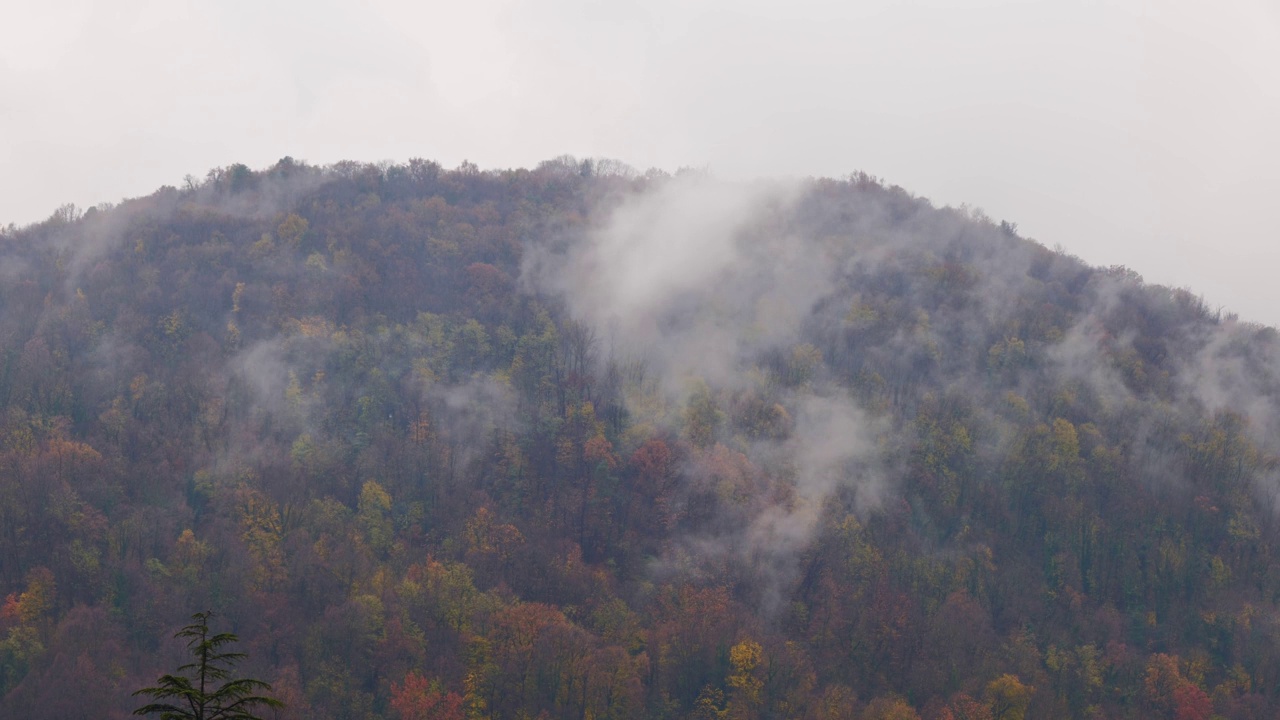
(184, 697)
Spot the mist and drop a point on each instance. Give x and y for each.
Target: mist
(706, 282)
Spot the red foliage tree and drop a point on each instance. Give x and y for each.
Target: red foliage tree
(1191, 703)
(421, 699)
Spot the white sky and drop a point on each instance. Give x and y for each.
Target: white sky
(1144, 133)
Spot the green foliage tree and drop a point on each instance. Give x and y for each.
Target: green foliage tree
(179, 697)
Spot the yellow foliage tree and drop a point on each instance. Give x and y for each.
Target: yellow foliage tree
(745, 659)
(1008, 698)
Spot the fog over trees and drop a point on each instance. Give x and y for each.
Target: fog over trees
(584, 442)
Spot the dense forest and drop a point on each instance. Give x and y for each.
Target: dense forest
(579, 442)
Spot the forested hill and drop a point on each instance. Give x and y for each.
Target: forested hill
(575, 442)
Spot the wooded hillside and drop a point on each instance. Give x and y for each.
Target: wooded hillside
(575, 442)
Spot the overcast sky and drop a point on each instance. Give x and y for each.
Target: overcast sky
(1128, 132)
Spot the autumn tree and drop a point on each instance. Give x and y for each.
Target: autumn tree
(1169, 693)
(745, 659)
(1008, 698)
(421, 699)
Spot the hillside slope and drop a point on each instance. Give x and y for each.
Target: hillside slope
(578, 442)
